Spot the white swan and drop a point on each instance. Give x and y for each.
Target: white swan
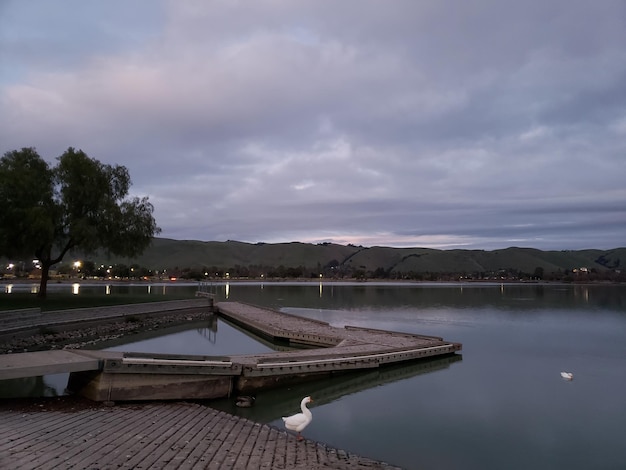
(299, 421)
(567, 375)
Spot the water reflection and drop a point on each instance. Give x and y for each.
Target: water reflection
(213, 337)
(316, 294)
(209, 334)
(270, 405)
(504, 406)
(423, 295)
(48, 386)
(210, 331)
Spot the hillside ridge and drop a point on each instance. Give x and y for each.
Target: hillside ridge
(329, 258)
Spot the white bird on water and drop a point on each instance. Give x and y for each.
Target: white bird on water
(299, 421)
(567, 375)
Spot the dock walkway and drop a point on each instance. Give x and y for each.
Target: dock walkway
(21, 322)
(158, 436)
(336, 348)
(145, 376)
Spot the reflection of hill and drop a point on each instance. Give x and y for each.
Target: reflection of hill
(424, 296)
(273, 404)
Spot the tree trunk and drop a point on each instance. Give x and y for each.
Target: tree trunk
(43, 284)
(44, 255)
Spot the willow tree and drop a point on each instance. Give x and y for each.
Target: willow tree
(80, 204)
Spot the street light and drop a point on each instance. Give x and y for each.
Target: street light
(77, 265)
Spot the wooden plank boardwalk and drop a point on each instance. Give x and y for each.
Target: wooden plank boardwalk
(158, 436)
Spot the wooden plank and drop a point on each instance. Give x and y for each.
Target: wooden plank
(165, 435)
(236, 447)
(199, 441)
(256, 452)
(38, 450)
(31, 425)
(280, 453)
(79, 442)
(215, 440)
(127, 434)
(188, 442)
(268, 456)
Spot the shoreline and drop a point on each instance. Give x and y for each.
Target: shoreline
(89, 336)
(315, 281)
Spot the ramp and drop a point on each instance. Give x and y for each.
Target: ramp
(32, 364)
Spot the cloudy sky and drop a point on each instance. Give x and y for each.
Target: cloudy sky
(431, 123)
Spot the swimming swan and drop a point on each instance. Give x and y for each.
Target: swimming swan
(299, 421)
(567, 375)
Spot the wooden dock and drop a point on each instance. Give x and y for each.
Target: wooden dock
(115, 376)
(158, 436)
(335, 350)
(179, 435)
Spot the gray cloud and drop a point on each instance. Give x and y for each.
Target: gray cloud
(403, 123)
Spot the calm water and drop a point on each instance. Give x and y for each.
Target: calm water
(499, 404)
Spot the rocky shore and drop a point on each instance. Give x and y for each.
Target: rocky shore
(90, 336)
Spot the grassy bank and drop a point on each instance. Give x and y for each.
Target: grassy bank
(63, 301)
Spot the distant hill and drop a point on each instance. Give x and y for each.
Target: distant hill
(167, 253)
(331, 258)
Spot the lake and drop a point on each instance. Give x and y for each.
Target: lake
(500, 403)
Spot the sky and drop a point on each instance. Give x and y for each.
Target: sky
(467, 124)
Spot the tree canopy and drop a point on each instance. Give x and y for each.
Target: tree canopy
(79, 204)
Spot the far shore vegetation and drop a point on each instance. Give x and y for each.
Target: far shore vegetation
(169, 260)
(64, 301)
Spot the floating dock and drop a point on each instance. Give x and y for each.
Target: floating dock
(335, 350)
(117, 376)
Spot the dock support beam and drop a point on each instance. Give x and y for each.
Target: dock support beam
(107, 386)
